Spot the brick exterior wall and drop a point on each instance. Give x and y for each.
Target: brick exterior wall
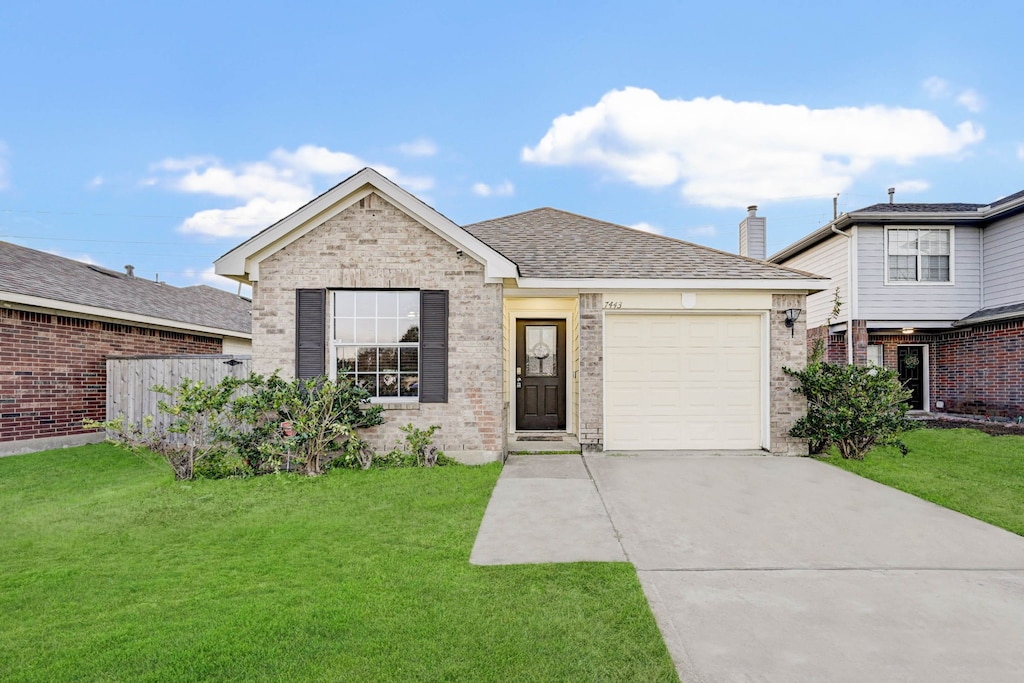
(835, 344)
(976, 371)
(53, 369)
(860, 342)
(591, 418)
(375, 245)
(788, 350)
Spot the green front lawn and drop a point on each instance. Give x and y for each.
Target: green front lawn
(110, 570)
(961, 469)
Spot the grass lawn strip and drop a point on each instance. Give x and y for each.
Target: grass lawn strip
(962, 469)
(109, 570)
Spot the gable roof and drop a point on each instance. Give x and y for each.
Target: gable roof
(242, 262)
(37, 278)
(959, 213)
(550, 243)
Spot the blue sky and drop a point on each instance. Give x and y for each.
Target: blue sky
(162, 134)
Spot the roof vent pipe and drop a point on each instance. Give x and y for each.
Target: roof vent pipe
(129, 270)
(892, 191)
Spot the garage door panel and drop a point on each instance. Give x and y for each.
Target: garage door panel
(682, 382)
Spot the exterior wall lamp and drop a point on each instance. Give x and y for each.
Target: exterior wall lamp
(792, 315)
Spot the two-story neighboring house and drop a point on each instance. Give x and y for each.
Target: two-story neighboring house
(935, 291)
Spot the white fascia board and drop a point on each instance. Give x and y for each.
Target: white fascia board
(600, 285)
(916, 324)
(244, 259)
(62, 307)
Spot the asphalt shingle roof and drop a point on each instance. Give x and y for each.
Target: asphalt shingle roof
(35, 273)
(954, 207)
(995, 312)
(1007, 199)
(549, 243)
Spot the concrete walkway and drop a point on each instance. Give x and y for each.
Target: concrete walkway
(777, 569)
(545, 508)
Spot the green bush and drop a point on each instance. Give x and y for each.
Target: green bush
(852, 407)
(415, 450)
(302, 424)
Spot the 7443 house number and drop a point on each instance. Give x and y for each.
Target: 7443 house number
(613, 304)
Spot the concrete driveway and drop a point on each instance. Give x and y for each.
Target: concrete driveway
(778, 569)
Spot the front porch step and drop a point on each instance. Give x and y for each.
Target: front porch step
(543, 442)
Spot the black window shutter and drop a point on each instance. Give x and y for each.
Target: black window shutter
(434, 346)
(310, 332)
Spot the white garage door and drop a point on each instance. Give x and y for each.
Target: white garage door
(682, 382)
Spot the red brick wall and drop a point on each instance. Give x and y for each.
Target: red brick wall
(835, 344)
(53, 369)
(977, 371)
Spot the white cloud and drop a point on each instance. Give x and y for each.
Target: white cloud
(269, 190)
(183, 164)
(242, 221)
(910, 186)
(420, 147)
(935, 86)
(647, 227)
(208, 276)
(701, 231)
(1020, 152)
(725, 153)
(5, 174)
(505, 189)
(96, 182)
(971, 100)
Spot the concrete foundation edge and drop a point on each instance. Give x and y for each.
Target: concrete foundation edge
(48, 443)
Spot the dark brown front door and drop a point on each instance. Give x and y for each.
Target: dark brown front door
(910, 361)
(540, 374)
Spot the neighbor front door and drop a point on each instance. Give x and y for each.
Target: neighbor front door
(540, 374)
(911, 368)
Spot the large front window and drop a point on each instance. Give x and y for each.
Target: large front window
(375, 339)
(918, 255)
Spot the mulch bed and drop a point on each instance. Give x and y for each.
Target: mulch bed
(993, 428)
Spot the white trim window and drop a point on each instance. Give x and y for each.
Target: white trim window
(375, 340)
(876, 355)
(919, 255)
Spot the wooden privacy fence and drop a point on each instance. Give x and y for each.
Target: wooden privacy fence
(130, 381)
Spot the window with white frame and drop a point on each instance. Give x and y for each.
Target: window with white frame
(918, 255)
(375, 339)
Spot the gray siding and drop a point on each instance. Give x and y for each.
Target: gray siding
(828, 259)
(879, 301)
(1004, 262)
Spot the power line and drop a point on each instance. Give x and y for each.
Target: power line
(116, 242)
(125, 215)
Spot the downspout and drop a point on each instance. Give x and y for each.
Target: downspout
(849, 291)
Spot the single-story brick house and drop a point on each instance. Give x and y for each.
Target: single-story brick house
(540, 321)
(59, 321)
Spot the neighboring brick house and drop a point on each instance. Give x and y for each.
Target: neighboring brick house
(544, 323)
(934, 291)
(60, 319)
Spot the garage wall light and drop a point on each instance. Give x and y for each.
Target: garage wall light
(792, 315)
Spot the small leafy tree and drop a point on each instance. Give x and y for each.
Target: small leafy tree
(198, 411)
(853, 407)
